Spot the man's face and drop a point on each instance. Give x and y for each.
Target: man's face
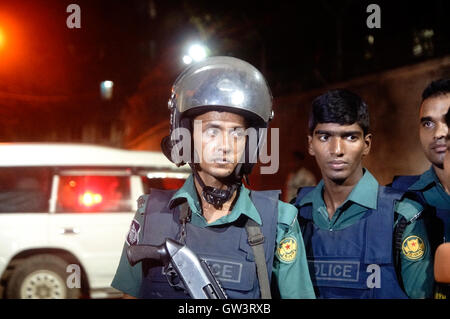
(339, 150)
(433, 129)
(220, 139)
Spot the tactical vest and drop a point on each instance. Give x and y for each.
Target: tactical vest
(437, 219)
(357, 261)
(224, 247)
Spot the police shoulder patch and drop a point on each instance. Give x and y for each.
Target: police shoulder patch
(287, 249)
(413, 248)
(133, 233)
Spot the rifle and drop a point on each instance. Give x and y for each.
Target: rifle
(196, 276)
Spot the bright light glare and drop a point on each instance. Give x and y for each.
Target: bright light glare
(107, 84)
(106, 89)
(89, 199)
(187, 59)
(197, 52)
(2, 38)
(237, 97)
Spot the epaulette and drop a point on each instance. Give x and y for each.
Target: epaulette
(410, 209)
(288, 213)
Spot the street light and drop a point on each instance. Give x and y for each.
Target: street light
(196, 52)
(187, 59)
(106, 89)
(2, 38)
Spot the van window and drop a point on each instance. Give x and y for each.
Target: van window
(94, 194)
(24, 189)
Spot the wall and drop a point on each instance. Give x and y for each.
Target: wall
(393, 97)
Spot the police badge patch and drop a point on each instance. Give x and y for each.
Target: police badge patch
(133, 234)
(287, 249)
(413, 248)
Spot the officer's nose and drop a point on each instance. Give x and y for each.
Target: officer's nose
(337, 147)
(441, 131)
(225, 143)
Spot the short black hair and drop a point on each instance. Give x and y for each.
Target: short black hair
(436, 88)
(339, 106)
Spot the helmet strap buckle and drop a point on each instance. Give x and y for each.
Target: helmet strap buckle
(216, 197)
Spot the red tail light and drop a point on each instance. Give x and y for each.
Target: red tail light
(92, 193)
(89, 199)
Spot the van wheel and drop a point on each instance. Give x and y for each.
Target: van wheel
(41, 277)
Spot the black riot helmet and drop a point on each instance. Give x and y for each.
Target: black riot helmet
(218, 84)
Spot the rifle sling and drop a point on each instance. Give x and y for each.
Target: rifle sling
(256, 240)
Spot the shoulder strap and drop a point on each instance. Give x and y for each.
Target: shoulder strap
(396, 195)
(185, 217)
(256, 240)
(398, 236)
(380, 227)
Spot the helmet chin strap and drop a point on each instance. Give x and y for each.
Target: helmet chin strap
(214, 196)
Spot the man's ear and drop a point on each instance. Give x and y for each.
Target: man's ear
(310, 148)
(367, 143)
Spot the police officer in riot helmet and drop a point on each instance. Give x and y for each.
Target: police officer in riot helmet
(214, 105)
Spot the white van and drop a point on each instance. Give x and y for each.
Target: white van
(65, 210)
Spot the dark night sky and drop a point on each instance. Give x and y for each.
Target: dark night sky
(50, 75)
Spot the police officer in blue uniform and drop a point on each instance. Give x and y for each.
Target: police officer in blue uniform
(429, 187)
(249, 238)
(349, 222)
